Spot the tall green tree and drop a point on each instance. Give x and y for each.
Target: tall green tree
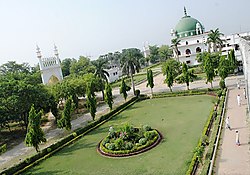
(109, 96)
(169, 77)
(215, 40)
(66, 64)
(154, 54)
(123, 89)
(101, 73)
(209, 69)
(187, 75)
(91, 101)
(150, 79)
(174, 44)
(165, 52)
(65, 121)
(171, 68)
(233, 63)
(223, 70)
(34, 134)
(130, 62)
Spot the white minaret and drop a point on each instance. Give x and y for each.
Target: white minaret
(50, 67)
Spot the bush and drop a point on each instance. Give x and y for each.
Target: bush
(222, 84)
(129, 146)
(111, 146)
(150, 135)
(3, 148)
(119, 144)
(146, 128)
(143, 141)
(137, 92)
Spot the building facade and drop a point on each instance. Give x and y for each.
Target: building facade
(50, 68)
(193, 40)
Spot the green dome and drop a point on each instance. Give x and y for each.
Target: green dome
(187, 27)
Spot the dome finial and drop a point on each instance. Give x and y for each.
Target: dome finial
(185, 11)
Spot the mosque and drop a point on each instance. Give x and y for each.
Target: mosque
(193, 40)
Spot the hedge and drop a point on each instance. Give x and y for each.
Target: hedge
(214, 136)
(78, 133)
(186, 93)
(217, 111)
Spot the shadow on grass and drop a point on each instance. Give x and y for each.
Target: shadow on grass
(43, 172)
(77, 146)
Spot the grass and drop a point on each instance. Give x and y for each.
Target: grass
(179, 119)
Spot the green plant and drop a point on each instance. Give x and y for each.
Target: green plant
(146, 127)
(3, 148)
(137, 92)
(222, 84)
(143, 141)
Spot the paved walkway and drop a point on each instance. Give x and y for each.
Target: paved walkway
(233, 159)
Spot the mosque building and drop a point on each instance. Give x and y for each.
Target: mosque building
(193, 40)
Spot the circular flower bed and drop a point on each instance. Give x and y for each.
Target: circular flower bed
(128, 140)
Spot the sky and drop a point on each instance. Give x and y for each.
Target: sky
(96, 27)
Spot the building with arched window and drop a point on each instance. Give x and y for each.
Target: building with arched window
(193, 40)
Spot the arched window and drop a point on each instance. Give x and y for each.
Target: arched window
(179, 53)
(186, 43)
(198, 50)
(188, 51)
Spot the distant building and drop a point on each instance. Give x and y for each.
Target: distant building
(114, 71)
(193, 40)
(50, 68)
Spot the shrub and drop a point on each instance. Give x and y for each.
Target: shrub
(49, 150)
(129, 146)
(118, 144)
(3, 148)
(222, 84)
(146, 128)
(74, 134)
(137, 92)
(143, 141)
(111, 146)
(150, 135)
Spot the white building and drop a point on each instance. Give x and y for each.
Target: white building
(50, 68)
(193, 40)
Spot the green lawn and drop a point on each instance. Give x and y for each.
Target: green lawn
(179, 119)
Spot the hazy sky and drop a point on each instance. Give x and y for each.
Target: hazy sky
(95, 27)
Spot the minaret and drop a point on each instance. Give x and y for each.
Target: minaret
(56, 54)
(39, 56)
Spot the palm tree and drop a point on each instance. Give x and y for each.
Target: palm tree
(214, 38)
(175, 42)
(101, 73)
(130, 62)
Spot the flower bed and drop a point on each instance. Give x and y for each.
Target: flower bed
(128, 141)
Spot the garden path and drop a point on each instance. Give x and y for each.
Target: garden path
(233, 159)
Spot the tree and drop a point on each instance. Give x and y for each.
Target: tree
(101, 73)
(66, 64)
(233, 63)
(108, 95)
(165, 52)
(209, 69)
(123, 89)
(34, 134)
(171, 68)
(150, 79)
(214, 38)
(175, 42)
(65, 121)
(223, 70)
(91, 100)
(186, 76)
(154, 54)
(130, 62)
(82, 66)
